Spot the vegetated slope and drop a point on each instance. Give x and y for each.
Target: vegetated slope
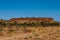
(29, 22)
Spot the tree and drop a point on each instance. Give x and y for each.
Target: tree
(15, 23)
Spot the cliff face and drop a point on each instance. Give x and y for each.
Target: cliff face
(30, 20)
(49, 19)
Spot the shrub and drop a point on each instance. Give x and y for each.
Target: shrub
(1, 29)
(10, 30)
(55, 24)
(3, 23)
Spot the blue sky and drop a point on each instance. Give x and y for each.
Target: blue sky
(30, 8)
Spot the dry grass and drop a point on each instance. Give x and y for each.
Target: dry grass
(30, 33)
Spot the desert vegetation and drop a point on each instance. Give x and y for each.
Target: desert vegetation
(30, 24)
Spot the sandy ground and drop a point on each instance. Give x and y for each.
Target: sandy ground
(31, 33)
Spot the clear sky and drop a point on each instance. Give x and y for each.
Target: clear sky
(30, 8)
